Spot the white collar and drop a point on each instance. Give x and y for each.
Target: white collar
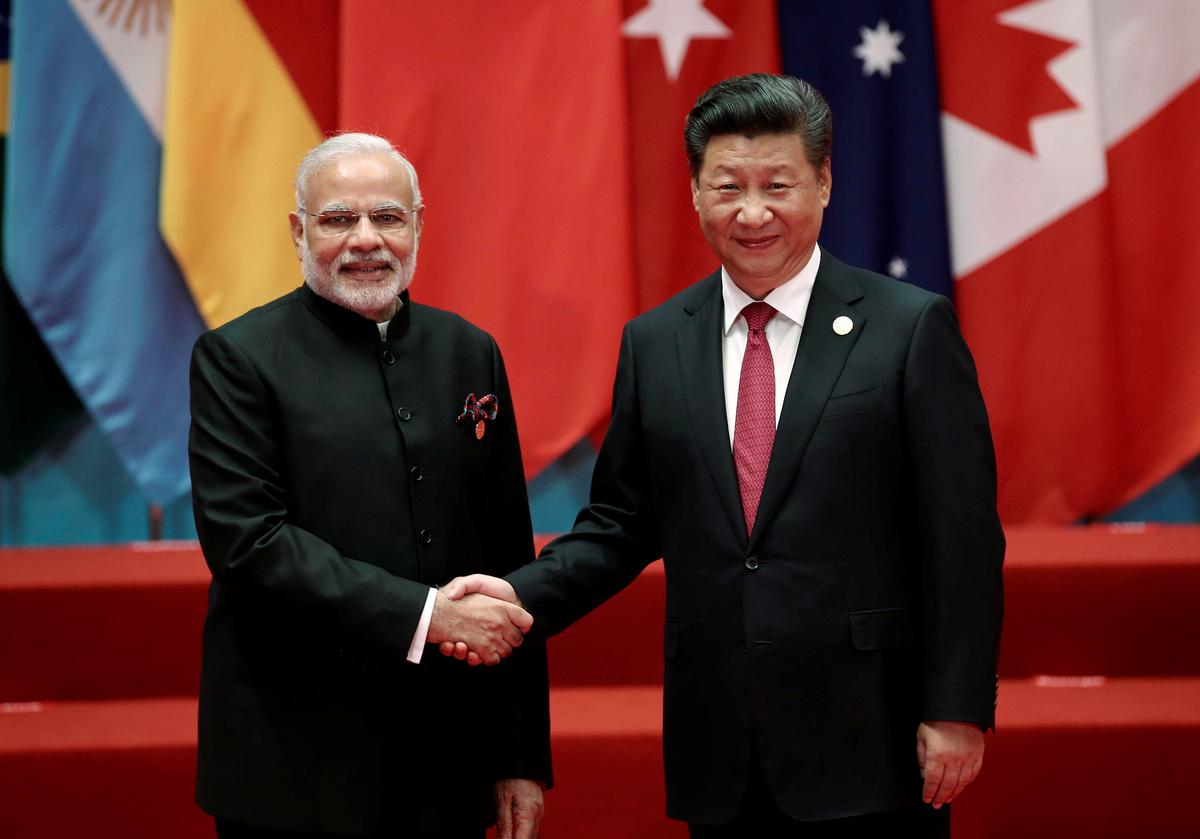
(789, 299)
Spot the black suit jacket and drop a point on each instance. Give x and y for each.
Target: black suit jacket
(868, 597)
(331, 487)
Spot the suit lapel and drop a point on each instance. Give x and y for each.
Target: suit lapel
(819, 361)
(698, 343)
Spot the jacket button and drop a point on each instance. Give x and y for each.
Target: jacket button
(387, 357)
(403, 414)
(751, 563)
(425, 536)
(416, 473)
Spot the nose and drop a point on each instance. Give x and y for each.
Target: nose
(755, 212)
(363, 236)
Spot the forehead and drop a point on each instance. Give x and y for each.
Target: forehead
(736, 152)
(355, 181)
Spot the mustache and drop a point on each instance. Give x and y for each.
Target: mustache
(378, 255)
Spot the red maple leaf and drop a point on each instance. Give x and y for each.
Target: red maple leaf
(994, 75)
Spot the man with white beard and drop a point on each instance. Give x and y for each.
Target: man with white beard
(351, 450)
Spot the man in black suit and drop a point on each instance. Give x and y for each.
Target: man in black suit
(805, 445)
(350, 449)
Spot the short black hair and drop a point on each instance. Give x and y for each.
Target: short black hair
(760, 103)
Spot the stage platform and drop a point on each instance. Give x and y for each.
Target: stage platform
(1098, 727)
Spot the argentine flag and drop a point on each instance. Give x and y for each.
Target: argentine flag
(84, 252)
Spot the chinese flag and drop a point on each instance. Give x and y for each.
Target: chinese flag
(671, 252)
(548, 138)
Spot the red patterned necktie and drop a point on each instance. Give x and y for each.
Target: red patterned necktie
(754, 424)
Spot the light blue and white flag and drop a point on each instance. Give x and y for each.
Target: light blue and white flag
(83, 248)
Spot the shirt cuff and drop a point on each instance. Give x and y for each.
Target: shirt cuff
(418, 642)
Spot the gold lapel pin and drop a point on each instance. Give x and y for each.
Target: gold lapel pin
(842, 325)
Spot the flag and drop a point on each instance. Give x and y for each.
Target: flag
(84, 254)
(38, 400)
(674, 51)
(252, 87)
(1069, 133)
(515, 119)
(874, 62)
(549, 140)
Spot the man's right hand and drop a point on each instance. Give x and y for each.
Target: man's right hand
(476, 584)
(489, 628)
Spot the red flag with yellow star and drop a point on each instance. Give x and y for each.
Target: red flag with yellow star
(549, 141)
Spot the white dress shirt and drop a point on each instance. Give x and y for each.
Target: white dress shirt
(790, 300)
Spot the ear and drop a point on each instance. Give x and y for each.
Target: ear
(825, 181)
(297, 234)
(418, 222)
(695, 195)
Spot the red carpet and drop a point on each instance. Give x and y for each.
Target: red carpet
(1099, 718)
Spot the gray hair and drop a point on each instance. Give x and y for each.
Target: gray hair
(349, 145)
(756, 104)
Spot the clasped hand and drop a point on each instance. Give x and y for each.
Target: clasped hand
(480, 648)
(479, 618)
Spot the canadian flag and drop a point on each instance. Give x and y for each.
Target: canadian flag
(1070, 134)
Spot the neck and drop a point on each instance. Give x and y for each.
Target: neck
(755, 291)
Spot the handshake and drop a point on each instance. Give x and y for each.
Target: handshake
(478, 619)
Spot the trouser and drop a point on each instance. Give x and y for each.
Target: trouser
(761, 818)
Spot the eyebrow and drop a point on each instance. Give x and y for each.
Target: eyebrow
(339, 206)
(722, 171)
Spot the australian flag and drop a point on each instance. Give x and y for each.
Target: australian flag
(874, 61)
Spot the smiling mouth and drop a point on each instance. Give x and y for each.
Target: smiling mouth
(757, 243)
(366, 269)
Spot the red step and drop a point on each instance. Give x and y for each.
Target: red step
(102, 770)
(1103, 758)
(1110, 600)
(101, 622)
(125, 621)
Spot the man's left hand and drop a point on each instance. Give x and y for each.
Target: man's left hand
(519, 808)
(950, 755)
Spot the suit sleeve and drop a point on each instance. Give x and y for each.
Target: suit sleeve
(522, 706)
(240, 502)
(614, 537)
(960, 540)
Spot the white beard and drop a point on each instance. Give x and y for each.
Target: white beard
(366, 299)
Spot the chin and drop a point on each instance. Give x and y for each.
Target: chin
(366, 298)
